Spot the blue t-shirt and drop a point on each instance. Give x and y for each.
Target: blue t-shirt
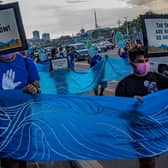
(18, 73)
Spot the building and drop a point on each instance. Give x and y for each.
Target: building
(36, 35)
(46, 36)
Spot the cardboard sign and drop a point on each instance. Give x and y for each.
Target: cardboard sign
(12, 35)
(59, 64)
(155, 34)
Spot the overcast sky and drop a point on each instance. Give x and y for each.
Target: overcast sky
(67, 17)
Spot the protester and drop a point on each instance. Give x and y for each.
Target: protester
(54, 53)
(37, 59)
(163, 69)
(93, 61)
(70, 57)
(124, 53)
(61, 53)
(141, 83)
(17, 73)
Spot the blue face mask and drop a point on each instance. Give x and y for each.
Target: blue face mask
(7, 56)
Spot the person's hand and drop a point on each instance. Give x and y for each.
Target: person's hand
(8, 80)
(139, 98)
(30, 89)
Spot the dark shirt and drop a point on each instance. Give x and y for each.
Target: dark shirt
(124, 54)
(95, 60)
(140, 86)
(71, 61)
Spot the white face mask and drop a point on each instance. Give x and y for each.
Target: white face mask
(7, 56)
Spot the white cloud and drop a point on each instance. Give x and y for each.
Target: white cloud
(60, 17)
(154, 5)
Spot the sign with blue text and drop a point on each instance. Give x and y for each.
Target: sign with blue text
(155, 34)
(12, 35)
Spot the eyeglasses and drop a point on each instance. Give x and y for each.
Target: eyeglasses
(141, 60)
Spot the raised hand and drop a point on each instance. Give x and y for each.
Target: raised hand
(8, 80)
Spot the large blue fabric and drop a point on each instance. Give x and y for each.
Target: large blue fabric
(69, 127)
(63, 82)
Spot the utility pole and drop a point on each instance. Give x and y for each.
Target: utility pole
(95, 17)
(119, 22)
(126, 22)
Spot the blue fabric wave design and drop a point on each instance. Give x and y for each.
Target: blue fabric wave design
(64, 82)
(70, 127)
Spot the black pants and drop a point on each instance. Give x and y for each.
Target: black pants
(147, 162)
(12, 163)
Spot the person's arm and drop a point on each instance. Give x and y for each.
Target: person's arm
(33, 86)
(121, 90)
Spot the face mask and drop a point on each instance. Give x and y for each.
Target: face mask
(7, 56)
(142, 68)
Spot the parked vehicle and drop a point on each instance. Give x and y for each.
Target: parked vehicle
(100, 47)
(156, 61)
(80, 51)
(103, 46)
(108, 45)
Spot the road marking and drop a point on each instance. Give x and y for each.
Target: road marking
(88, 164)
(110, 90)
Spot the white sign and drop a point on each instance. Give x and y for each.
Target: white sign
(155, 33)
(59, 64)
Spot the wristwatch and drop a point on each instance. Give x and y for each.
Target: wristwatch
(38, 90)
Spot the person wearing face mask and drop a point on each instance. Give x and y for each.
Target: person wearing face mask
(140, 83)
(17, 73)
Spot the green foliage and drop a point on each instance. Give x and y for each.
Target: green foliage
(134, 23)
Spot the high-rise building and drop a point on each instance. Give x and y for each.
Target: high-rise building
(36, 35)
(46, 36)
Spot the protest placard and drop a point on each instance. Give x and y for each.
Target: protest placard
(59, 64)
(155, 34)
(12, 35)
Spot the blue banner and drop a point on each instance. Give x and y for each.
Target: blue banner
(72, 82)
(48, 127)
